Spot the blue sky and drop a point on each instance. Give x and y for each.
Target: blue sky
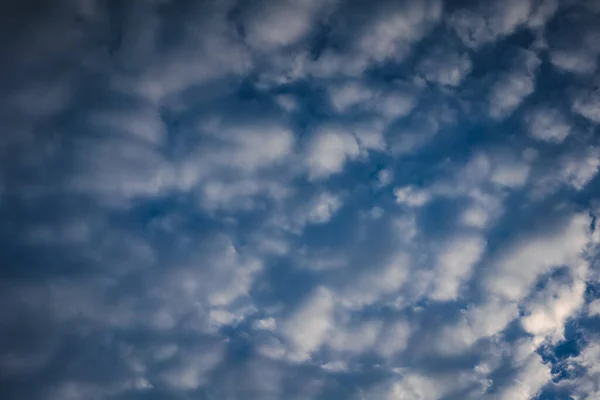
(334, 199)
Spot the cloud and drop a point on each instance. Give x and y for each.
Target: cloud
(531, 377)
(309, 326)
(395, 102)
(548, 124)
(271, 25)
(514, 85)
(574, 47)
(547, 314)
(445, 67)
(190, 370)
(489, 22)
(393, 30)
(328, 151)
(393, 339)
(587, 104)
(411, 196)
(455, 265)
(586, 385)
(578, 170)
(540, 254)
(299, 199)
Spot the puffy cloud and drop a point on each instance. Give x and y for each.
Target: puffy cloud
(395, 28)
(328, 151)
(455, 265)
(564, 246)
(411, 196)
(573, 44)
(578, 170)
(514, 86)
(308, 327)
(533, 374)
(190, 370)
(490, 21)
(266, 324)
(587, 103)
(586, 386)
(379, 282)
(355, 339)
(510, 173)
(269, 25)
(323, 208)
(547, 314)
(394, 338)
(390, 104)
(548, 124)
(298, 200)
(445, 67)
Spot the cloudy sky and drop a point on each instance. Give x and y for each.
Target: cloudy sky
(299, 200)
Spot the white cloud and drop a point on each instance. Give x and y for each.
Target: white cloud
(574, 169)
(288, 102)
(475, 216)
(268, 324)
(307, 329)
(542, 12)
(578, 170)
(579, 61)
(393, 339)
(395, 28)
(547, 314)
(322, 208)
(480, 321)
(208, 51)
(454, 266)
(411, 196)
(215, 117)
(369, 134)
(349, 94)
(445, 67)
(328, 151)
(548, 124)
(355, 339)
(377, 282)
(384, 177)
(533, 374)
(594, 308)
(273, 24)
(271, 347)
(248, 147)
(335, 366)
(587, 104)
(220, 317)
(517, 269)
(510, 173)
(191, 369)
(514, 86)
(416, 133)
(575, 48)
(394, 102)
(414, 386)
(490, 22)
(586, 386)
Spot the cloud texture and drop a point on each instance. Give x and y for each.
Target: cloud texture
(388, 200)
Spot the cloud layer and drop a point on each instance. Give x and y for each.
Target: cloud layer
(299, 200)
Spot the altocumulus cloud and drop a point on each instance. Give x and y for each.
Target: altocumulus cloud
(388, 200)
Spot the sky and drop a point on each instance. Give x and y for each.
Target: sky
(299, 200)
